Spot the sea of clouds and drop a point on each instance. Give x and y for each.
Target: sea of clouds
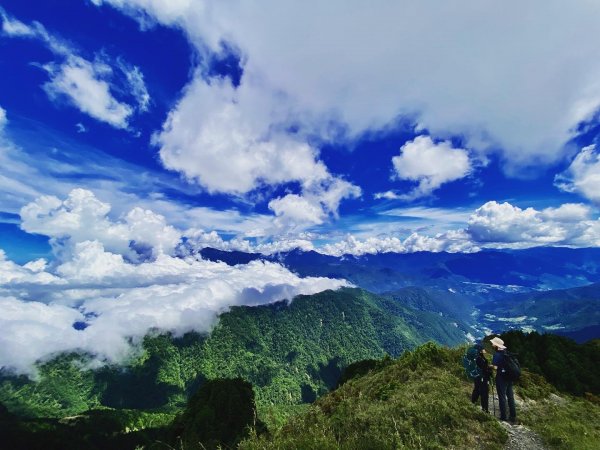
(111, 282)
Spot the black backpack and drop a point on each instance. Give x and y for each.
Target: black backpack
(511, 366)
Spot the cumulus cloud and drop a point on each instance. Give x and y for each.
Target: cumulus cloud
(32, 272)
(296, 212)
(88, 86)
(457, 69)
(502, 224)
(196, 240)
(493, 225)
(583, 175)
(214, 139)
(82, 217)
(95, 298)
(429, 164)
(296, 209)
(453, 241)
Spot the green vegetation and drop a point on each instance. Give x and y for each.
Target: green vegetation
(565, 423)
(318, 372)
(568, 366)
(63, 388)
(291, 353)
(219, 414)
(420, 401)
(93, 430)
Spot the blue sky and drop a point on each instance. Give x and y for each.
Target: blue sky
(284, 125)
(133, 133)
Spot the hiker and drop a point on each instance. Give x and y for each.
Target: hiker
(504, 384)
(481, 382)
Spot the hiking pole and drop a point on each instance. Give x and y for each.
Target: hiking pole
(493, 398)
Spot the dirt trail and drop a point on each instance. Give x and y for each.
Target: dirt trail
(519, 436)
(522, 438)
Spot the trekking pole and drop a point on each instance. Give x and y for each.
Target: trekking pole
(493, 397)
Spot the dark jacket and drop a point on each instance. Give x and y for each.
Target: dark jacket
(482, 363)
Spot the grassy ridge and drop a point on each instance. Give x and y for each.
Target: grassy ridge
(421, 401)
(418, 401)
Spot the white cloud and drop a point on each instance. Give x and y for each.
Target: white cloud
(295, 213)
(430, 165)
(453, 241)
(33, 330)
(458, 69)
(118, 301)
(15, 28)
(445, 215)
(98, 283)
(87, 85)
(387, 195)
(583, 175)
(3, 120)
(296, 209)
(32, 272)
(503, 223)
(82, 217)
(493, 225)
(214, 139)
(135, 80)
(196, 240)
(83, 84)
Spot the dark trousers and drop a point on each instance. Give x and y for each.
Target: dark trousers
(504, 388)
(481, 389)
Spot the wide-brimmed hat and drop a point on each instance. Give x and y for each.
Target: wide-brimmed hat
(498, 343)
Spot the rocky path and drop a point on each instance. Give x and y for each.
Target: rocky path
(519, 436)
(522, 438)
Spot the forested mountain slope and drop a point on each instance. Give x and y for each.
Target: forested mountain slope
(291, 353)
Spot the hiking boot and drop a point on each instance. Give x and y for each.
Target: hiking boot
(514, 421)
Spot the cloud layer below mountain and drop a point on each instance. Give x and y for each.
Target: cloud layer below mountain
(114, 281)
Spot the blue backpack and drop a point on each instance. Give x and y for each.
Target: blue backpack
(472, 370)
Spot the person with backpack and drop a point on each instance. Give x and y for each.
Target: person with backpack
(507, 371)
(482, 379)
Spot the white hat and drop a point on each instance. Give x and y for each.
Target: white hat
(498, 343)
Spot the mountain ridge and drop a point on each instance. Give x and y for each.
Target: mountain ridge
(291, 351)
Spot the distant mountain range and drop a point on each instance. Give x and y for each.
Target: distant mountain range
(571, 312)
(294, 351)
(540, 268)
(492, 290)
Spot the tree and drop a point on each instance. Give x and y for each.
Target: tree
(219, 414)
